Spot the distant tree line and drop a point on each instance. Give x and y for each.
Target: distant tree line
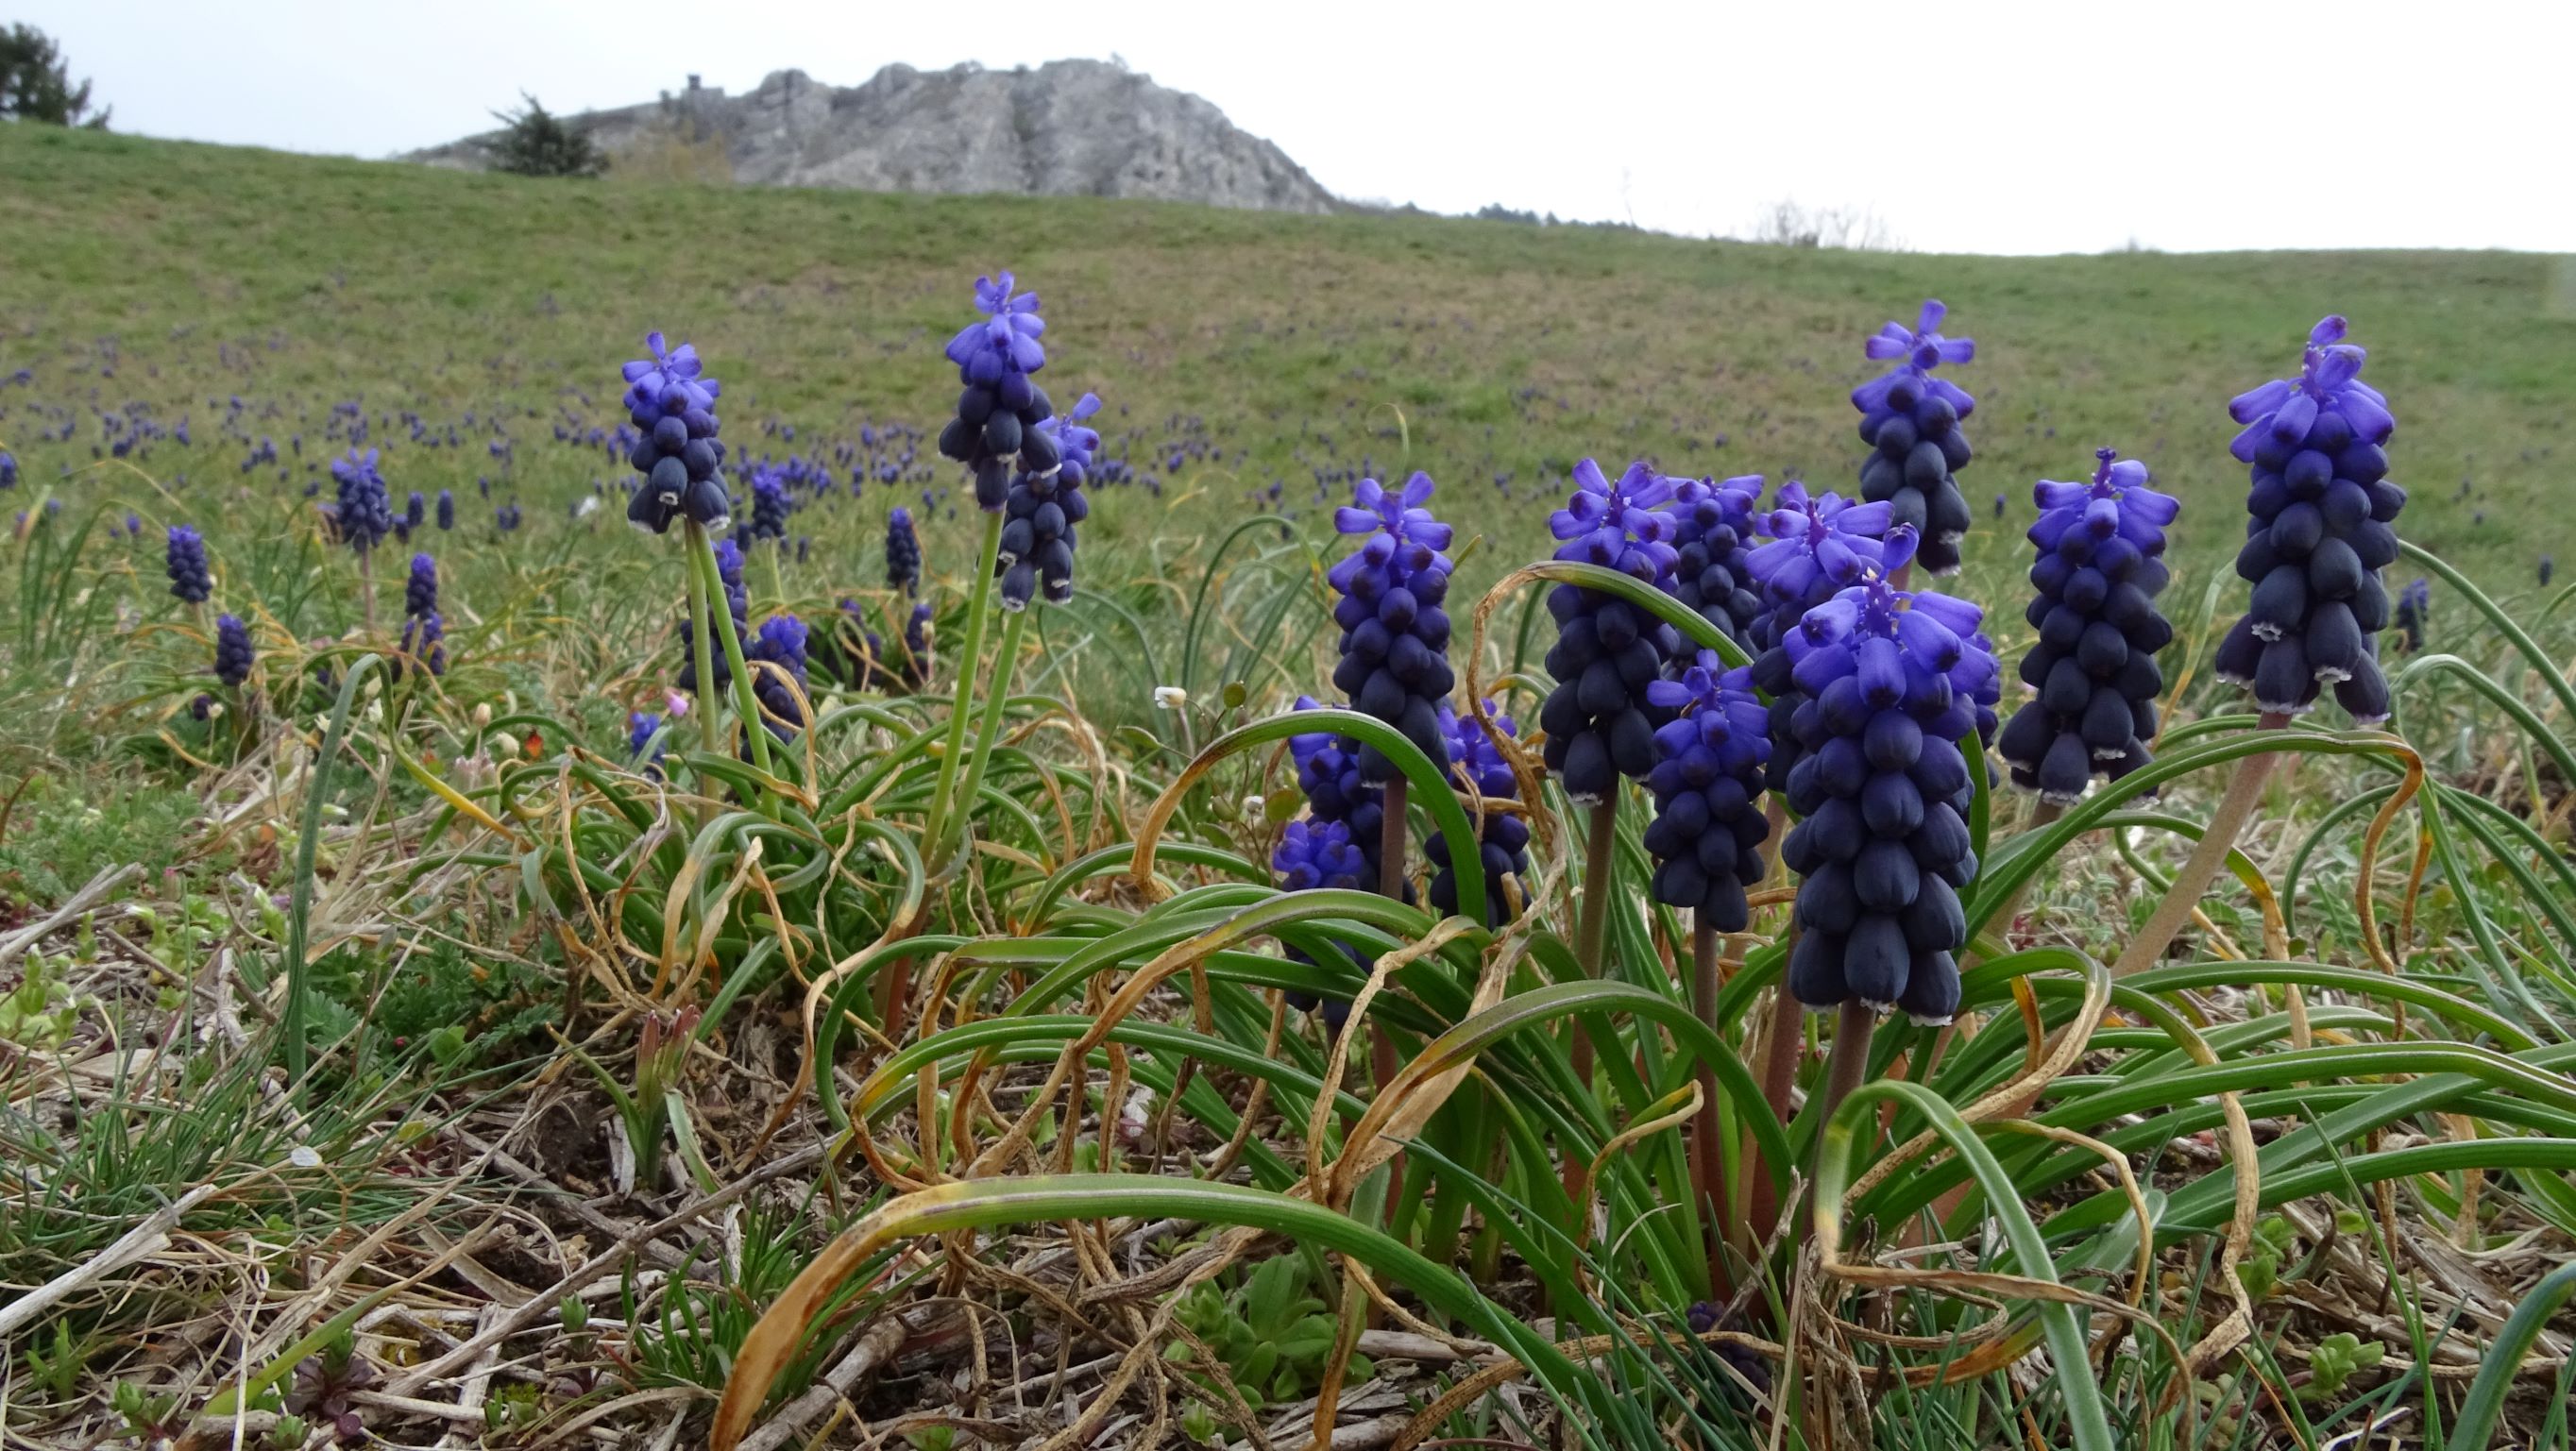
(36, 82)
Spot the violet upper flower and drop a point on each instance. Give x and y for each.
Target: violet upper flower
(903, 552)
(1911, 419)
(365, 515)
(233, 652)
(1713, 540)
(995, 431)
(672, 405)
(2323, 526)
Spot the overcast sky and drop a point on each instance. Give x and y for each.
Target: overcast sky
(1970, 127)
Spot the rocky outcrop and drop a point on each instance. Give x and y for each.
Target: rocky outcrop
(1066, 128)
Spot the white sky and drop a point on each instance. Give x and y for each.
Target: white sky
(1969, 127)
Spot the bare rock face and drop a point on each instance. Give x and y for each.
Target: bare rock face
(1067, 128)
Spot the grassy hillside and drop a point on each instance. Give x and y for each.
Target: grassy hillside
(1300, 342)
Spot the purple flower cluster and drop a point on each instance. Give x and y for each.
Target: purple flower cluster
(1607, 651)
(1042, 509)
(424, 633)
(2323, 525)
(1001, 406)
(770, 506)
(780, 642)
(903, 552)
(233, 653)
(1713, 540)
(190, 578)
(673, 405)
(1708, 829)
(365, 515)
(2100, 567)
(1395, 633)
(415, 514)
(1328, 771)
(1313, 853)
(1911, 419)
(446, 510)
(1884, 794)
(1502, 839)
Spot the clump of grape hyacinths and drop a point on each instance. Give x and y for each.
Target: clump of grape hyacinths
(903, 552)
(1713, 537)
(1912, 419)
(233, 653)
(1041, 511)
(2323, 515)
(1607, 651)
(2100, 567)
(672, 405)
(365, 514)
(1820, 545)
(424, 632)
(996, 429)
(190, 578)
(1395, 634)
(1708, 830)
(1502, 840)
(1884, 792)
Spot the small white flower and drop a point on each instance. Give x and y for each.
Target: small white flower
(305, 1156)
(1170, 697)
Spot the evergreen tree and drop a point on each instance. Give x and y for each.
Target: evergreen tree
(36, 82)
(539, 143)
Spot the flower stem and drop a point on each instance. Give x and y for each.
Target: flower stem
(954, 755)
(703, 661)
(1383, 1062)
(367, 588)
(1005, 662)
(1599, 856)
(1782, 1045)
(1849, 1062)
(1705, 1148)
(720, 614)
(2244, 792)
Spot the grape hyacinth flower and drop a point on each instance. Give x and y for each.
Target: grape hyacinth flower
(446, 510)
(916, 645)
(1328, 771)
(1713, 537)
(1502, 841)
(190, 578)
(903, 552)
(1317, 852)
(1607, 651)
(2547, 567)
(2414, 604)
(1041, 511)
(770, 506)
(641, 727)
(2323, 512)
(424, 632)
(1001, 405)
(1820, 545)
(1395, 634)
(780, 643)
(8, 470)
(672, 404)
(2100, 567)
(1912, 419)
(365, 515)
(415, 513)
(1707, 782)
(1884, 793)
(233, 653)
